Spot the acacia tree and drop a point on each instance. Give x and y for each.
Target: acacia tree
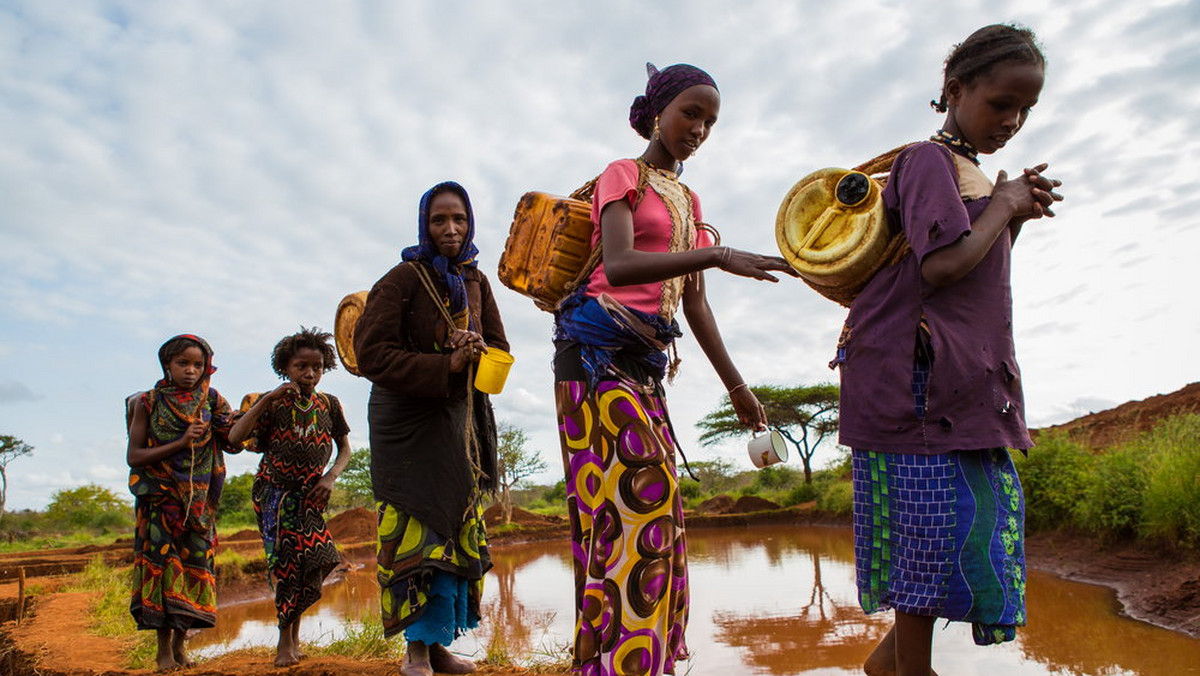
(11, 448)
(805, 416)
(517, 463)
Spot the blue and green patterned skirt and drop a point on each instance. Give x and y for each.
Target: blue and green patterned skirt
(942, 536)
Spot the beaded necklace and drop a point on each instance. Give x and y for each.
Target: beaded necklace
(957, 145)
(307, 409)
(678, 201)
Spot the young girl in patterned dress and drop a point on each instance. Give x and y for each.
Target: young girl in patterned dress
(178, 432)
(295, 428)
(931, 396)
(631, 593)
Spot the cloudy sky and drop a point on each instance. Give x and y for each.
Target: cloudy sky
(234, 169)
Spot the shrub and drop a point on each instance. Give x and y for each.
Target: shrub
(800, 494)
(1054, 478)
(776, 477)
(838, 498)
(556, 493)
(1113, 490)
(236, 506)
(690, 489)
(1171, 507)
(89, 506)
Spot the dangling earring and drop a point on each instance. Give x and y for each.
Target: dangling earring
(657, 133)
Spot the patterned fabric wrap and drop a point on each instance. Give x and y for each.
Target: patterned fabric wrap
(296, 436)
(175, 507)
(448, 270)
(942, 536)
(662, 86)
(602, 328)
(413, 563)
(628, 541)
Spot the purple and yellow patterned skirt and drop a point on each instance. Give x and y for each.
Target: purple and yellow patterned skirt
(630, 559)
(942, 536)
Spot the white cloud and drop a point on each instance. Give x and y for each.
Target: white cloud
(234, 170)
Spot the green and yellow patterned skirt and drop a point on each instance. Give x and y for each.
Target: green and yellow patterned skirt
(429, 584)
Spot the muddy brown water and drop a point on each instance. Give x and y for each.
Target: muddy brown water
(765, 600)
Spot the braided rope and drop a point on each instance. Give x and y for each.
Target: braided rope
(469, 434)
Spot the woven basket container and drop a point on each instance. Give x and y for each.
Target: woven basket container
(548, 247)
(833, 230)
(348, 312)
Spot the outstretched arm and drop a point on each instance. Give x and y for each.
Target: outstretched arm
(626, 265)
(704, 326)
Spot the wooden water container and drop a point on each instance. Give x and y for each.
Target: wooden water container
(833, 229)
(548, 248)
(348, 312)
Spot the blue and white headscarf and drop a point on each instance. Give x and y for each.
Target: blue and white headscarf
(449, 270)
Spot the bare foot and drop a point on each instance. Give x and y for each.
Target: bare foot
(285, 650)
(416, 660)
(164, 659)
(179, 648)
(295, 629)
(445, 662)
(882, 661)
(165, 663)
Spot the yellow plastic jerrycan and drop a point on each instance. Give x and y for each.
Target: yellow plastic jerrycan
(833, 230)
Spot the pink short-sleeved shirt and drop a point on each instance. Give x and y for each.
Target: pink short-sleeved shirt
(651, 232)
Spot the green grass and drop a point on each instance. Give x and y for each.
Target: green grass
(1146, 488)
(110, 614)
(362, 640)
(54, 540)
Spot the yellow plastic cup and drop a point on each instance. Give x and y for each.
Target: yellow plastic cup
(493, 370)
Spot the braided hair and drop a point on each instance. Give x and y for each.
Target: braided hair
(983, 50)
(311, 338)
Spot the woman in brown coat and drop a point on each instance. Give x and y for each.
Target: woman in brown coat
(432, 434)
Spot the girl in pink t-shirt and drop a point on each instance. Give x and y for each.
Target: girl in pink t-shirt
(611, 338)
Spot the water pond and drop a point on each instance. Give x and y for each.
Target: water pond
(765, 600)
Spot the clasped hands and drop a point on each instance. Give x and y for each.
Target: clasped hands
(1032, 194)
(465, 347)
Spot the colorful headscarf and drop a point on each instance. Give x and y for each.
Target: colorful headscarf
(448, 270)
(662, 88)
(163, 357)
(179, 407)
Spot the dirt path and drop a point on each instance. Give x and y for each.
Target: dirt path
(58, 639)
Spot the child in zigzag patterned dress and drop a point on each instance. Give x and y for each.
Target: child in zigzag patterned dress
(295, 428)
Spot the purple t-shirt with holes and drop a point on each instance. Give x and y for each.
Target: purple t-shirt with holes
(974, 398)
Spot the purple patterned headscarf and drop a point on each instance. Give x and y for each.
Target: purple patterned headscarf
(663, 87)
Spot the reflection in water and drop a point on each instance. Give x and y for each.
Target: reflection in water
(766, 600)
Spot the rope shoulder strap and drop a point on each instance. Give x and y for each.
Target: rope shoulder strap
(470, 435)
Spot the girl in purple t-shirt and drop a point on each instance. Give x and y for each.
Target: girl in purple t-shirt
(931, 397)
